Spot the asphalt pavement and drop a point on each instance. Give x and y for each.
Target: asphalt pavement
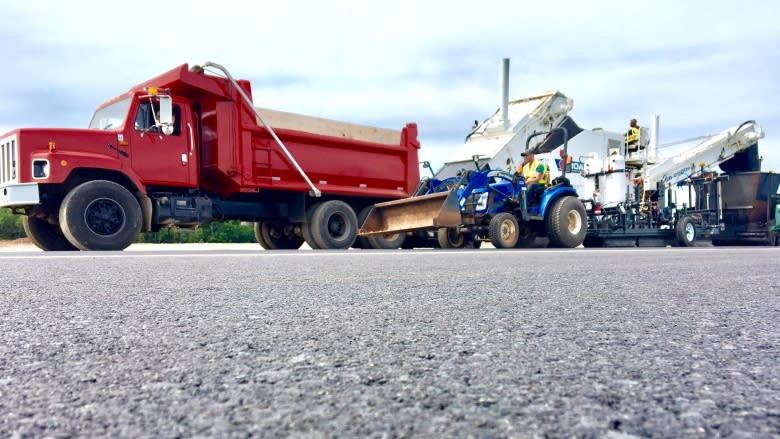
(670, 342)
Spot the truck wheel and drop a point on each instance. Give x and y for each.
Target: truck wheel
(390, 241)
(566, 222)
(685, 232)
(526, 236)
(333, 225)
(361, 241)
(504, 230)
(450, 237)
(306, 227)
(46, 236)
(277, 236)
(100, 215)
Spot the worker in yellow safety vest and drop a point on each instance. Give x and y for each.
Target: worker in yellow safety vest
(632, 136)
(535, 174)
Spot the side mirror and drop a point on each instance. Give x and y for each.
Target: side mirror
(166, 110)
(166, 115)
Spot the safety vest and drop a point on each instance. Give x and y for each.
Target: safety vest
(529, 170)
(632, 136)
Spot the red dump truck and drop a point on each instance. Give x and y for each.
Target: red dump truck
(189, 147)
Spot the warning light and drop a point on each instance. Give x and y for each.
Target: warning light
(52, 146)
(152, 91)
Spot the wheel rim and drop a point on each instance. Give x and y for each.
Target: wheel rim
(337, 226)
(104, 217)
(690, 232)
(575, 222)
(508, 230)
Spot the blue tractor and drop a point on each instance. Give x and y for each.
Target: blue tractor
(483, 205)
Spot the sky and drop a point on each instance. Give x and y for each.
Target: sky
(703, 66)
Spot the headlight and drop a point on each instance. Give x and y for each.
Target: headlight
(40, 168)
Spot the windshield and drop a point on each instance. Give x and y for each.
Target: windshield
(112, 116)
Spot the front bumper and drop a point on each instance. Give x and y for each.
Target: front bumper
(19, 195)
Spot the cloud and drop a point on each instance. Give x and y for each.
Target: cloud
(703, 66)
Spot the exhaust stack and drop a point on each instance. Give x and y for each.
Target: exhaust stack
(505, 92)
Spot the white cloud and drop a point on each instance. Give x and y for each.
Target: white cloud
(704, 66)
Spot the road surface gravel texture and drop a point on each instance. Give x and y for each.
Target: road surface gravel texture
(544, 343)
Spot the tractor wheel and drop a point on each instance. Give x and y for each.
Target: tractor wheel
(504, 230)
(450, 237)
(100, 215)
(272, 235)
(526, 236)
(685, 232)
(46, 236)
(333, 225)
(566, 222)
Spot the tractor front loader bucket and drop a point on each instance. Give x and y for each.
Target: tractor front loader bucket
(417, 213)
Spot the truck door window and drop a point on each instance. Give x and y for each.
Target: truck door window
(144, 118)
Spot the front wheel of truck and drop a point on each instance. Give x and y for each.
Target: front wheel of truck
(100, 215)
(46, 236)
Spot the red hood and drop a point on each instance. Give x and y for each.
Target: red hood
(62, 146)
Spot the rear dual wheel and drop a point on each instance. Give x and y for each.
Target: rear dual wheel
(330, 225)
(390, 241)
(450, 237)
(275, 235)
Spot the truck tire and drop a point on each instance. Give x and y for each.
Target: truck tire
(360, 241)
(526, 236)
(390, 241)
(100, 215)
(333, 225)
(306, 227)
(450, 237)
(46, 236)
(566, 222)
(380, 242)
(273, 235)
(685, 232)
(503, 230)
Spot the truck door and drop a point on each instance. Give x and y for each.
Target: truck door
(158, 158)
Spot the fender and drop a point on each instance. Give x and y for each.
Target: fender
(63, 163)
(553, 193)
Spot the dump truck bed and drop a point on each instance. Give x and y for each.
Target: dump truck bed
(239, 154)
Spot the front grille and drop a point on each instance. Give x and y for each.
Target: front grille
(8, 165)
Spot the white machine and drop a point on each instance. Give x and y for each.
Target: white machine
(613, 180)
